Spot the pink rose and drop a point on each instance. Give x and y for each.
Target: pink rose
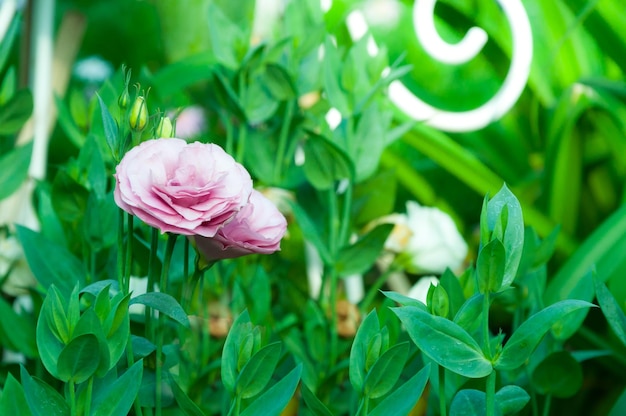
(257, 228)
(181, 188)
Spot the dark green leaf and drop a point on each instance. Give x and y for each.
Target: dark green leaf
(13, 401)
(490, 267)
(445, 342)
(79, 359)
(42, 399)
(358, 353)
(186, 404)
(310, 231)
(559, 374)
(313, 404)
(359, 257)
(22, 340)
(163, 303)
(51, 263)
(230, 355)
(257, 372)
(15, 112)
(469, 402)
(276, 398)
(404, 300)
(611, 310)
(325, 162)
(404, 398)
(66, 121)
(117, 398)
(278, 82)
(14, 169)
(386, 371)
(110, 128)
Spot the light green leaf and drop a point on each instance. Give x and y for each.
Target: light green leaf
(526, 338)
(445, 342)
(79, 359)
(117, 398)
(257, 372)
(386, 371)
(42, 399)
(359, 257)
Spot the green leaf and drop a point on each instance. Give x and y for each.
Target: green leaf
(565, 327)
(404, 398)
(526, 338)
(358, 353)
(22, 340)
(325, 162)
(559, 374)
(313, 404)
(612, 311)
(66, 122)
(51, 263)
(52, 331)
(468, 316)
(163, 303)
(230, 355)
(184, 402)
(276, 398)
(604, 248)
(386, 371)
(469, 402)
(15, 112)
(110, 128)
(79, 359)
(374, 197)
(513, 240)
(359, 257)
(257, 372)
(445, 342)
(511, 399)
(404, 300)
(42, 399)
(13, 401)
(490, 267)
(278, 82)
(310, 231)
(332, 69)
(14, 169)
(117, 398)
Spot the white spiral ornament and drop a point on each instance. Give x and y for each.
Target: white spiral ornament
(454, 54)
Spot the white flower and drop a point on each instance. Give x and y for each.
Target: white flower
(426, 240)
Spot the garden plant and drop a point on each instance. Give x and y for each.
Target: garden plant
(217, 207)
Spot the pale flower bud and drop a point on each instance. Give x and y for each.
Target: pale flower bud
(164, 129)
(138, 115)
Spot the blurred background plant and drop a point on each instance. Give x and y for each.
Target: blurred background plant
(282, 87)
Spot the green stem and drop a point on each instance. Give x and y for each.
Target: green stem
(345, 216)
(129, 255)
(486, 325)
(89, 394)
(373, 290)
(120, 249)
(546, 405)
(333, 221)
(228, 126)
(334, 339)
(442, 390)
(171, 242)
(491, 393)
(152, 269)
(241, 142)
(72, 388)
(282, 141)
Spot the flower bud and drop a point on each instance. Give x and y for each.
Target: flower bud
(138, 115)
(122, 101)
(164, 129)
